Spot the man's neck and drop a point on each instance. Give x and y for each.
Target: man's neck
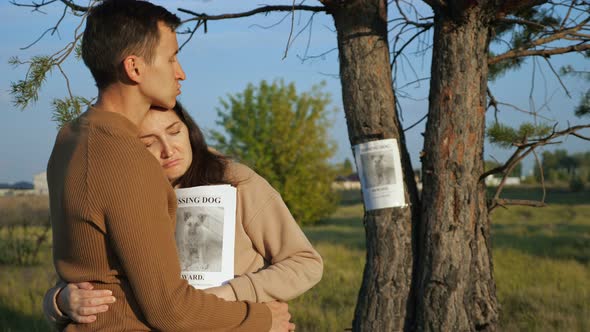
(123, 101)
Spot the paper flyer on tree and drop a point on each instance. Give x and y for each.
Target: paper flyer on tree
(205, 234)
(379, 168)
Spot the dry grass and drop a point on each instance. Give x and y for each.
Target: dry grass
(541, 259)
(24, 210)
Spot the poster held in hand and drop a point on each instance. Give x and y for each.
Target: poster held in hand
(205, 234)
(379, 168)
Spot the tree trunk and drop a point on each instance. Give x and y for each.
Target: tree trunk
(456, 291)
(385, 301)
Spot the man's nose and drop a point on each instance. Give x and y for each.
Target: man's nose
(180, 75)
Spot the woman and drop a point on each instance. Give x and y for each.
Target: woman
(273, 258)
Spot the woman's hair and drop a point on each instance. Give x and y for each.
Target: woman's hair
(207, 167)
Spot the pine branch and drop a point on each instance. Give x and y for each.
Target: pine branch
(558, 77)
(529, 48)
(522, 202)
(397, 53)
(26, 91)
(567, 16)
(523, 150)
(75, 6)
(522, 22)
(33, 5)
(260, 10)
(581, 136)
(408, 21)
(493, 103)
(544, 52)
(436, 3)
(290, 30)
(516, 108)
(52, 30)
(36, 6)
(512, 6)
(542, 173)
(191, 33)
(554, 135)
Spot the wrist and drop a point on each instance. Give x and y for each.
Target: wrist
(59, 304)
(231, 295)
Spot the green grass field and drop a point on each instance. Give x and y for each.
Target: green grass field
(541, 260)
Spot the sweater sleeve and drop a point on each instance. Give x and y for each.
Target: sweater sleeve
(131, 191)
(295, 266)
(50, 308)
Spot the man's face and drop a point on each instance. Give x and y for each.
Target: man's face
(163, 75)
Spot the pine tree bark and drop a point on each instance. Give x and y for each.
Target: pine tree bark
(456, 290)
(385, 302)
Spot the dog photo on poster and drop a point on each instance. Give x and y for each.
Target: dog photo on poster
(379, 167)
(205, 234)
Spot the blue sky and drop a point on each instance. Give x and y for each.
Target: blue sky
(232, 54)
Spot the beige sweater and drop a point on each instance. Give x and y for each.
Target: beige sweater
(114, 228)
(273, 258)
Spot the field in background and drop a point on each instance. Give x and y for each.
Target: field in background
(541, 260)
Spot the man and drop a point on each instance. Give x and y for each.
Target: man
(112, 208)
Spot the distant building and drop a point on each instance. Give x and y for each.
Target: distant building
(347, 182)
(8, 192)
(418, 179)
(493, 181)
(40, 184)
(21, 188)
(23, 192)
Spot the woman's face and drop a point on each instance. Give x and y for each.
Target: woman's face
(167, 138)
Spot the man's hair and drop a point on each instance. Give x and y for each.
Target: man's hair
(116, 29)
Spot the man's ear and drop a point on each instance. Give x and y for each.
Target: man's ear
(134, 66)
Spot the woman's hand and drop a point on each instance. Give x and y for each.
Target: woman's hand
(80, 302)
(224, 292)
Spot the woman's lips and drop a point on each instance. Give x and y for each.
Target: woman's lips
(171, 163)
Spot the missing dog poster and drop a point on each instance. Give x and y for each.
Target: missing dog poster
(380, 171)
(205, 234)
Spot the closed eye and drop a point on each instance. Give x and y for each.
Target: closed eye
(147, 144)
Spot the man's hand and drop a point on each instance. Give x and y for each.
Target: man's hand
(280, 317)
(80, 302)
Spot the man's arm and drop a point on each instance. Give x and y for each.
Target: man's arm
(135, 199)
(78, 302)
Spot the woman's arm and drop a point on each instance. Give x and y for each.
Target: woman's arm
(295, 266)
(223, 292)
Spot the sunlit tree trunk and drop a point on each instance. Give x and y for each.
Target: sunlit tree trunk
(456, 290)
(385, 298)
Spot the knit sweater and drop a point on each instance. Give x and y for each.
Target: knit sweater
(273, 258)
(114, 228)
